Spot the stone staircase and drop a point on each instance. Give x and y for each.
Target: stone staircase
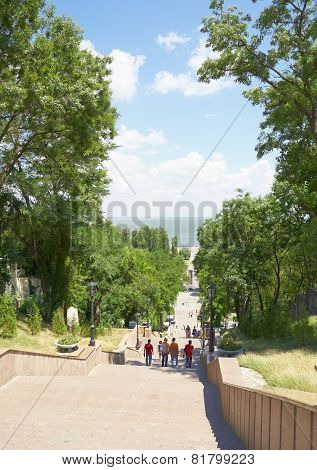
(114, 407)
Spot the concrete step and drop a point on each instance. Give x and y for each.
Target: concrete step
(116, 407)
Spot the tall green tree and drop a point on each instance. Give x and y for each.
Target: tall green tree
(274, 55)
(56, 129)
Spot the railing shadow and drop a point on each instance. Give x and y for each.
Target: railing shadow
(224, 435)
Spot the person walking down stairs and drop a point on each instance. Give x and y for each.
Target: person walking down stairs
(188, 350)
(148, 352)
(174, 351)
(165, 347)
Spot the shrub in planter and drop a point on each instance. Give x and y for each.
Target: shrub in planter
(8, 319)
(34, 318)
(58, 323)
(231, 344)
(68, 339)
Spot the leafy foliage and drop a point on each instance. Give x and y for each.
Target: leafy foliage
(261, 252)
(231, 343)
(68, 340)
(274, 56)
(8, 323)
(58, 324)
(56, 129)
(184, 253)
(254, 251)
(34, 318)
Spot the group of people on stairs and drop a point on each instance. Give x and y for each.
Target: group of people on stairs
(165, 349)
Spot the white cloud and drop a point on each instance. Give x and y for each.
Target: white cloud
(200, 54)
(125, 74)
(171, 40)
(87, 45)
(186, 83)
(131, 139)
(167, 180)
(125, 70)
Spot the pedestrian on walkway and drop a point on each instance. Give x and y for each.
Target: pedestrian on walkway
(165, 347)
(189, 348)
(174, 351)
(148, 352)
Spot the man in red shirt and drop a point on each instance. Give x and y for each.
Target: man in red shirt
(189, 348)
(148, 352)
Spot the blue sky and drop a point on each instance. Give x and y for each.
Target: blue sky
(168, 123)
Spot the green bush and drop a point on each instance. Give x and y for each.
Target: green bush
(28, 303)
(230, 343)
(58, 323)
(75, 328)
(184, 253)
(275, 323)
(8, 319)
(34, 318)
(302, 330)
(69, 339)
(100, 330)
(85, 329)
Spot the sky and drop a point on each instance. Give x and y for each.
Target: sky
(169, 122)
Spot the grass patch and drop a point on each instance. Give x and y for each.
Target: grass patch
(313, 320)
(45, 341)
(111, 342)
(282, 364)
(291, 369)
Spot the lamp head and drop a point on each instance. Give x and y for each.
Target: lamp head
(211, 291)
(92, 286)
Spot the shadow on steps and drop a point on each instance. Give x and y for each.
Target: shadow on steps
(222, 431)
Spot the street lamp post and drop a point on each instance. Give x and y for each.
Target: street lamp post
(211, 292)
(137, 315)
(205, 330)
(148, 313)
(202, 329)
(92, 286)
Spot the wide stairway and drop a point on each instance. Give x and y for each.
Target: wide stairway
(115, 407)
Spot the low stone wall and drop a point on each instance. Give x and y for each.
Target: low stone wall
(7, 369)
(261, 419)
(14, 362)
(32, 363)
(113, 357)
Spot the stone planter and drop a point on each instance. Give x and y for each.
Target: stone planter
(67, 347)
(224, 352)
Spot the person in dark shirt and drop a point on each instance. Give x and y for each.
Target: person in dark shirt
(148, 352)
(189, 348)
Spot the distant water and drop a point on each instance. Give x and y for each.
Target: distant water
(185, 228)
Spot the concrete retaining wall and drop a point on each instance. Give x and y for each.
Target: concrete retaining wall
(14, 362)
(260, 419)
(113, 357)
